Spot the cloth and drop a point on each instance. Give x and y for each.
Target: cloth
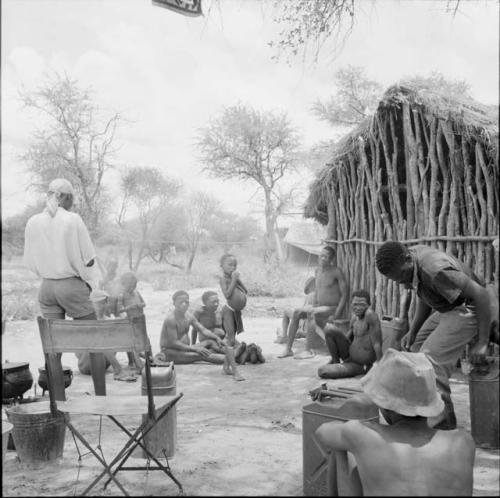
(70, 296)
(232, 322)
(58, 247)
(439, 278)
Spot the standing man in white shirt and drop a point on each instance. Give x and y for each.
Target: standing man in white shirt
(58, 248)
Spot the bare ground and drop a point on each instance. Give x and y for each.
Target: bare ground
(233, 438)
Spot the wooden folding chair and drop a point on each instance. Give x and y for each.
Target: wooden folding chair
(98, 336)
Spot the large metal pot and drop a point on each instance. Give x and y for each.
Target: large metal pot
(43, 382)
(17, 379)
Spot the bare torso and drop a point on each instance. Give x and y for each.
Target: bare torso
(409, 459)
(361, 349)
(327, 286)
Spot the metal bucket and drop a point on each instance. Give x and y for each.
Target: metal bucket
(164, 435)
(38, 436)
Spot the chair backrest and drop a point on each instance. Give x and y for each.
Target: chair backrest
(92, 336)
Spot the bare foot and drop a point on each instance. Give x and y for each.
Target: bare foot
(238, 376)
(227, 370)
(125, 377)
(288, 352)
(305, 355)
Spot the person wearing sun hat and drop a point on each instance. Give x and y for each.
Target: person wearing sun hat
(404, 456)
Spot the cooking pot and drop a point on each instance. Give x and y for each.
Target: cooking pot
(17, 379)
(43, 382)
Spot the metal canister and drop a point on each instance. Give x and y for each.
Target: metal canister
(483, 394)
(163, 437)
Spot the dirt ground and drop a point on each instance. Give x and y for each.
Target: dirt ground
(233, 438)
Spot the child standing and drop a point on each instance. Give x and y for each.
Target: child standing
(127, 301)
(236, 296)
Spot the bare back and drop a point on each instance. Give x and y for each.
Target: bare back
(410, 460)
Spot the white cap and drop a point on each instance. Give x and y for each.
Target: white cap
(62, 186)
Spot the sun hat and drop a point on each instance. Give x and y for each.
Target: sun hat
(404, 383)
(61, 185)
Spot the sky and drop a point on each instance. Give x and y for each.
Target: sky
(169, 74)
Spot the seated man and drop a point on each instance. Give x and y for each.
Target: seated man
(406, 457)
(174, 339)
(208, 316)
(282, 335)
(360, 347)
(329, 300)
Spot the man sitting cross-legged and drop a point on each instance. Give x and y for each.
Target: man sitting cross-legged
(406, 457)
(329, 300)
(360, 347)
(174, 338)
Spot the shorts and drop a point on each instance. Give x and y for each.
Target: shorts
(70, 296)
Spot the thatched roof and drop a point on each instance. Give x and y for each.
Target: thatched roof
(469, 118)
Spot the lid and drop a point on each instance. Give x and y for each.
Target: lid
(12, 367)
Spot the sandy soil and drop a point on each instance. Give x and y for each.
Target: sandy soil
(233, 438)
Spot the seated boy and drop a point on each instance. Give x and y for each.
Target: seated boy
(208, 316)
(174, 338)
(360, 347)
(406, 457)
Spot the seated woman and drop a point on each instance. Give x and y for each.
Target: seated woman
(362, 345)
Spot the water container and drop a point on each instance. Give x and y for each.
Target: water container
(393, 330)
(38, 436)
(320, 474)
(483, 395)
(164, 435)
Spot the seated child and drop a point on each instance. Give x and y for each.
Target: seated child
(362, 345)
(208, 316)
(174, 339)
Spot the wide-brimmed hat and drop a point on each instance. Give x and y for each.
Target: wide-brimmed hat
(61, 185)
(404, 383)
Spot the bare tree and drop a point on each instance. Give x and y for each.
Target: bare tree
(308, 24)
(200, 209)
(146, 194)
(259, 147)
(356, 98)
(75, 142)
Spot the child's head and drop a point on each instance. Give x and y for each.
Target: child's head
(327, 255)
(128, 281)
(181, 300)
(210, 300)
(360, 302)
(228, 263)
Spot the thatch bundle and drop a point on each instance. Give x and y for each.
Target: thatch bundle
(423, 169)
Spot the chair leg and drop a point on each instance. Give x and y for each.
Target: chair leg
(103, 463)
(143, 430)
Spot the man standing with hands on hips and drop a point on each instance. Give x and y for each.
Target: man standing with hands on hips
(58, 248)
(452, 310)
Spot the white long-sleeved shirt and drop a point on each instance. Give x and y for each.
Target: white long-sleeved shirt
(59, 246)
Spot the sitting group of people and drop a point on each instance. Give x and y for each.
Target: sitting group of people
(352, 353)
